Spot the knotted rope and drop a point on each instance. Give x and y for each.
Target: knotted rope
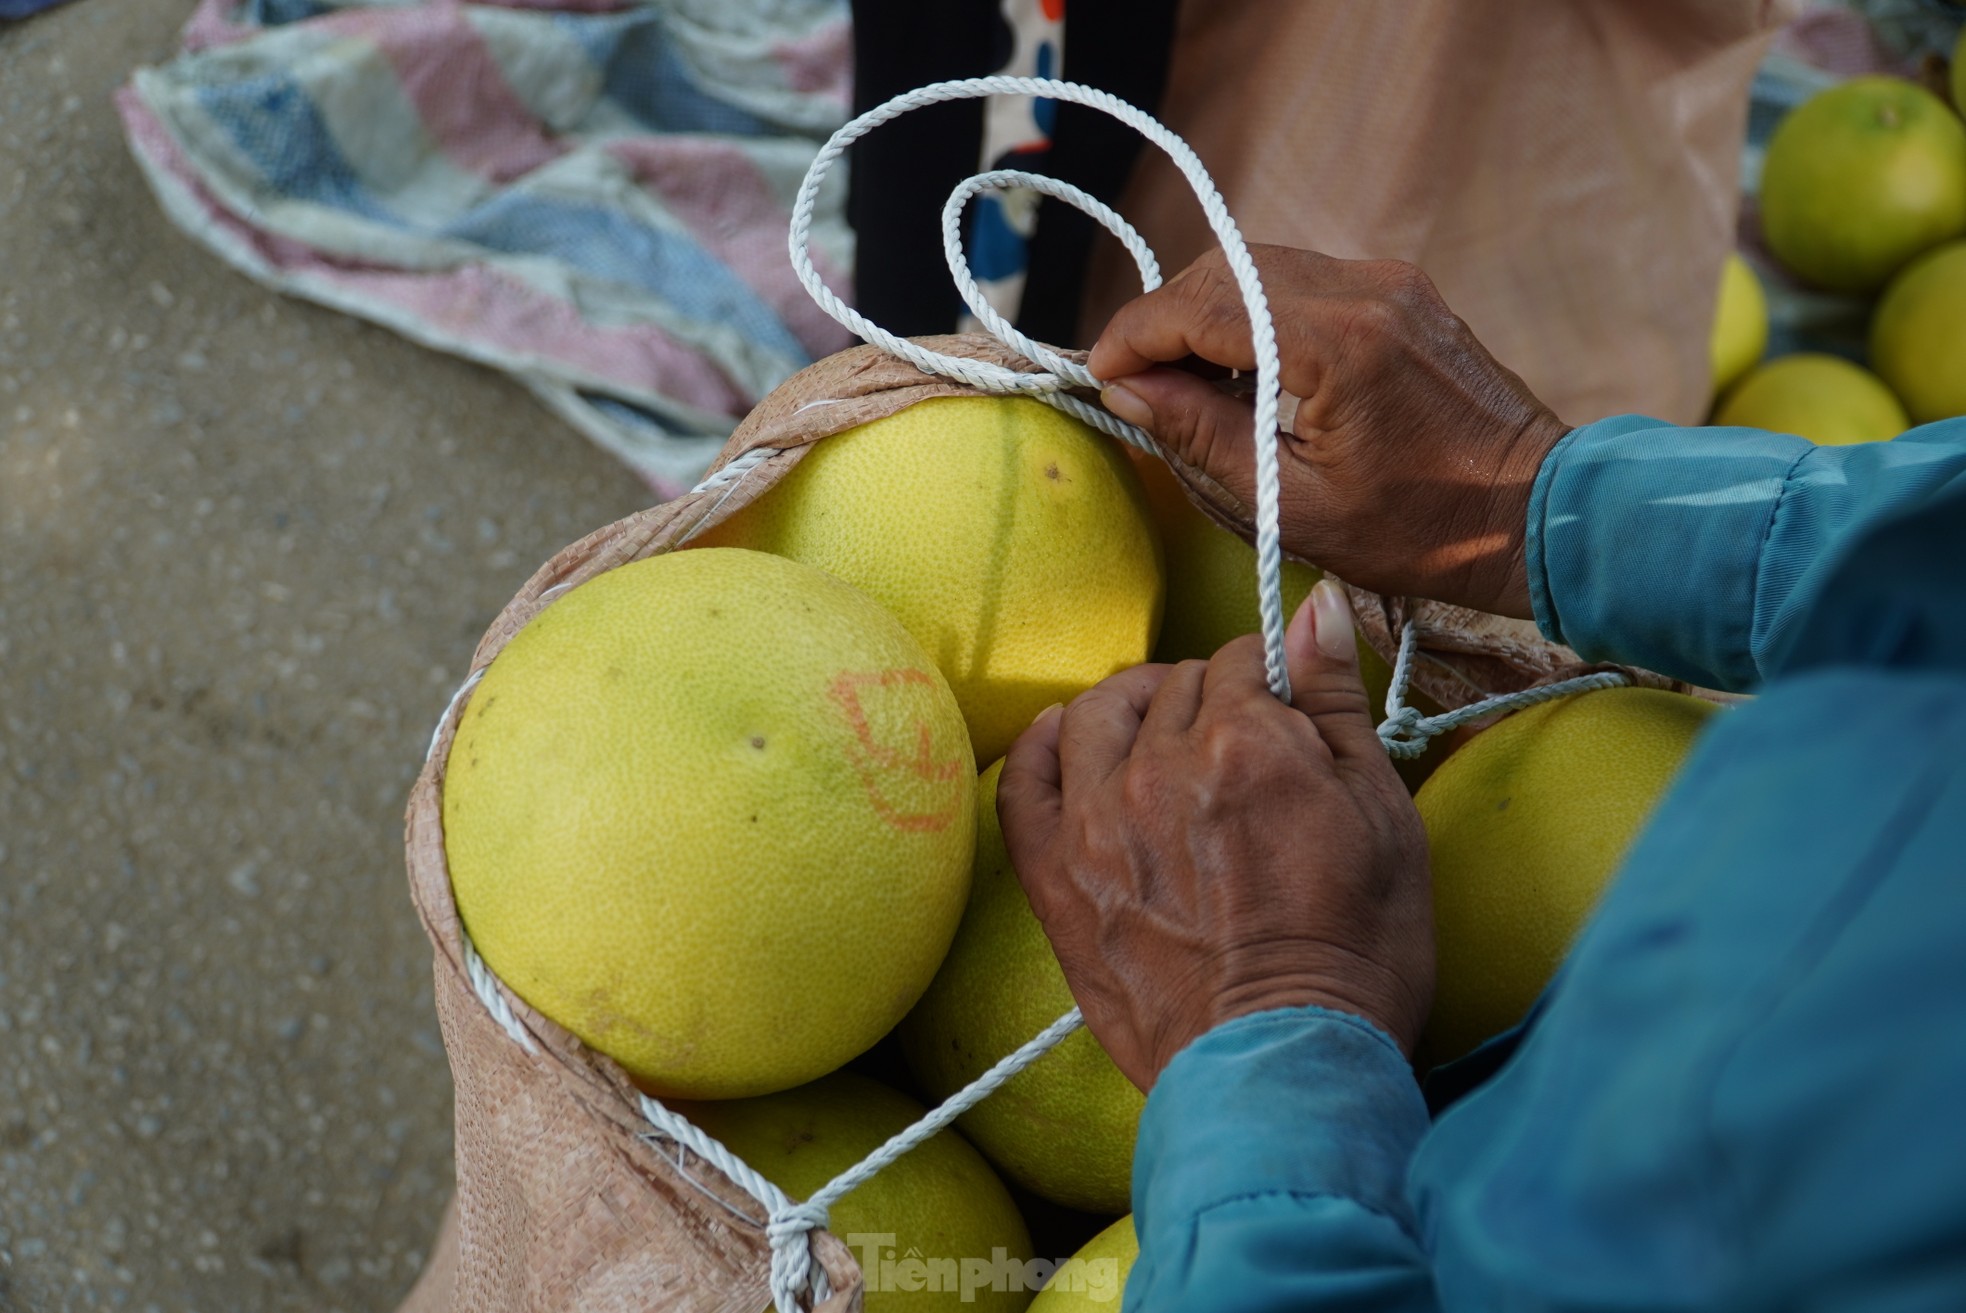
(788, 1224)
(1406, 733)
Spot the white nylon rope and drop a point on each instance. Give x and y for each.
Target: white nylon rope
(1406, 733)
(788, 1223)
(979, 304)
(1058, 374)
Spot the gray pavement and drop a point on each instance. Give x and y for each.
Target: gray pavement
(246, 546)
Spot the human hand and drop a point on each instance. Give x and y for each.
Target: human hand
(1197, 850)
(1408, 466)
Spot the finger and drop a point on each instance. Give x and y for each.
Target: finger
(1099, 727)
(1195, 420)
(1320, 648)
(1239, 714)
(1028, 799)
(1175, 703)
(1237, 671)
(1199, 313)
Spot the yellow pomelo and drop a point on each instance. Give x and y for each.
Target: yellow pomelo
(1918, 335)
(1526, 824)
(1825, 399)
(1211, 584)
(1860, 178)
(1959, 74)
(938, 1204)
(1010, 539)
(1740, 323)
(1094, 1279)
(713, 812)
(1064, 1126)
(1211, 574)
(1211, 599)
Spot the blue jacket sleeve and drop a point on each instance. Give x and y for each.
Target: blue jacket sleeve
(1270, 1172)
(1699, 553)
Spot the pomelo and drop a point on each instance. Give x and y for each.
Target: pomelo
(1918, 334)
(1740, 323)
(1823, 398)
(1211, 574)
(713, 812)
(1011, 540)
(1064, 1126)
(1094, 1279)
(1526, 824)
(938, 1204)
(1211, 586)
(1959, 75)
(1860, 178)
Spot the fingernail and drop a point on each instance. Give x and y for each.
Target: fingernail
(1126, 403)
(1300, 634)
(1056, 706)
(1332, 619)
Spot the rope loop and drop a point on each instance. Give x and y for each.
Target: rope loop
(1399, 733)
(972, 293)
(793, 1222)
(793, 1273)
(1057, 374)
(1405, 733)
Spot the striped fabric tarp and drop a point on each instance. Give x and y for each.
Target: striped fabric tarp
(591, 198)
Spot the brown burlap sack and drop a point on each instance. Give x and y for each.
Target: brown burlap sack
(1565, 170)
(561, 1204)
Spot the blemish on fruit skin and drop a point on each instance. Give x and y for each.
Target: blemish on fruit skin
(1503, 805)
(758, 742)
(1051, 472)
(872, 760)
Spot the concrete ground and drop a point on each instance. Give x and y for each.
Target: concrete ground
(246, 547)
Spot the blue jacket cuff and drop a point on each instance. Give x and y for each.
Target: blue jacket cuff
(1298, 1101)
(1644, 541)
(1544, 609)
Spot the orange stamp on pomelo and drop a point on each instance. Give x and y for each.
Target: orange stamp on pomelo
(912, 782)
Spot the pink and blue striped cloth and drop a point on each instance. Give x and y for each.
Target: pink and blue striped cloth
(590, 197)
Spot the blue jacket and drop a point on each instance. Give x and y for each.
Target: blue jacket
(1746, 1087)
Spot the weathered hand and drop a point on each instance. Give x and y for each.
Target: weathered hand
(1197, 850)
(1407, 468)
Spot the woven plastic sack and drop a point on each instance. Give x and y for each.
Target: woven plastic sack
(563, 1202)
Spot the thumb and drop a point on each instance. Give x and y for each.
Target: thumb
(1320, 648)
(1193, 419)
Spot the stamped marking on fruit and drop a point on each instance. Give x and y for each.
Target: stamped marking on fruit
(893, 748)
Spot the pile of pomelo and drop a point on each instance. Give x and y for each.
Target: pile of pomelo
(1863, 192)
(718, 813)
